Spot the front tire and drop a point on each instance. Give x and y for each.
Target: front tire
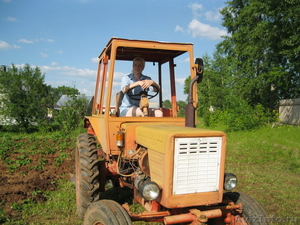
(106, 212)
(87, 173)
(253, 213)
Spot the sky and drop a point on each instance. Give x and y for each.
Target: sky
(64, 37)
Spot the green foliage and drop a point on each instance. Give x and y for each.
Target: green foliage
(167, 104)
(254, 67)
(3, 216)
(15, 164)
(212, 119)
(262, 49)
(238, 115)
(48, 125)
(24, 96)
(216, 84)
(71, 115)
(56, 93)
(5, 144)
(25, 99)
(241, 116)
(182, 106)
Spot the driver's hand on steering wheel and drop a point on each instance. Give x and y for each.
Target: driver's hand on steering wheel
(145, 83)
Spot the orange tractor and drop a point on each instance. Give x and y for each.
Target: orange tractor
(174, 170)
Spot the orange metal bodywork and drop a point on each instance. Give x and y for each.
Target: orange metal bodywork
(160, 150)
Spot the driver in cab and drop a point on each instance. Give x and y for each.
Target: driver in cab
(133, 84)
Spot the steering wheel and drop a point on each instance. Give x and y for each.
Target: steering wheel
(145, 93)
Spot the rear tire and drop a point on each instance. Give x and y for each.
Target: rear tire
(106, 212)
(253, 212)
(87, 173)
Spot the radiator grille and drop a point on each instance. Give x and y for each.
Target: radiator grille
(196, 165)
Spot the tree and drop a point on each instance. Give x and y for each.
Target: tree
(71, 114)
(24, 95)
(263, 49)
(215, 84)
(56, 93)
(167, 104)
(182, 105)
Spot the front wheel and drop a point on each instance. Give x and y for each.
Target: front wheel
(253, 212)
(106, 212)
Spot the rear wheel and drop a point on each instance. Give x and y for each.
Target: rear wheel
(253, 212)
(87, 173)
(106, 212)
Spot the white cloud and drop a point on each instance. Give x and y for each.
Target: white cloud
(184, 60)
(70, 71)
(48, 40)
(180, 81)
(54, 64)
(43, 55)
(60, 51)
(95, 60)
(60, 83)
(198, 29)
(85, 91)
(212, 16)
(5, 46)
(73, 77)
(21, 65)
(179, 28)
(25, 41)
(119, 75)
(35, 40)
(195, 8)
(11, 19)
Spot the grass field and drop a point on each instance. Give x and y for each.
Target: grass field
(266, 161)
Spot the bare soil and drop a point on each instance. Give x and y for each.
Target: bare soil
(29, 182)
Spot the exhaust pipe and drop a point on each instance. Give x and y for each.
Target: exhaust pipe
(190, 109)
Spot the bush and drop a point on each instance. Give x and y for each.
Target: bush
(71, 115)
(48, 125)
(213, 118)
(239, 115)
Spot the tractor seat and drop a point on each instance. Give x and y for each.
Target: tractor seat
(119, 98)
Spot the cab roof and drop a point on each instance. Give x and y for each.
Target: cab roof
(151, 51)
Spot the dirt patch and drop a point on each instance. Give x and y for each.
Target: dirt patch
(29, 182)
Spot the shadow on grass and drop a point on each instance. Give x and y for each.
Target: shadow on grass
(118, 194)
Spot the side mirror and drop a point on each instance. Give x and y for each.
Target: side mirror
(200, 70)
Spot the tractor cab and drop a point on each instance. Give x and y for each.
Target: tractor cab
(168, 64)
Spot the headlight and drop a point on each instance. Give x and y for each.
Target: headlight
(149, 190)
(230, 181)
